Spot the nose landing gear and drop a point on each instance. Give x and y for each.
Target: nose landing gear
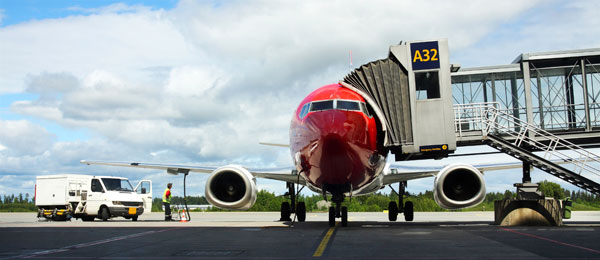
(337, 211)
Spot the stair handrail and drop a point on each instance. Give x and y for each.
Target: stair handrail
(487, 118)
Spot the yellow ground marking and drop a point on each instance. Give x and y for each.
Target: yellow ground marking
(323, 245)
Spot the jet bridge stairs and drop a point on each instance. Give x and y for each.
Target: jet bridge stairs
(519, 139)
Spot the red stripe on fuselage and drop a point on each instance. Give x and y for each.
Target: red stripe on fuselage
(335, 146)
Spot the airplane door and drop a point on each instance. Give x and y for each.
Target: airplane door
(144, 189)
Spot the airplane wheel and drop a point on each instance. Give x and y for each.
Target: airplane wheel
(301, 211)
(409, 211)
(344, 217)
(285, 211)
(331, 216)
(393, 211)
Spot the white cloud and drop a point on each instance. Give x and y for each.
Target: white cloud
(203, 83)
(22, 137)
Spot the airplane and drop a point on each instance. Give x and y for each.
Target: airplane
(337, 148)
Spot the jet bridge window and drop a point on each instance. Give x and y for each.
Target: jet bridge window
(428, 85)
(347, 105)
(321, 105)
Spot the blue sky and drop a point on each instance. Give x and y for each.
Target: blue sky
(19, 11)
(204, 81)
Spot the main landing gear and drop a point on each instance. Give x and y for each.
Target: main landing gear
(407, 209)
(287, 210)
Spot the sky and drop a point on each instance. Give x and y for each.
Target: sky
(203, 82)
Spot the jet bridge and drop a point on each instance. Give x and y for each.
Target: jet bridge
(543, 102)
(410, 93)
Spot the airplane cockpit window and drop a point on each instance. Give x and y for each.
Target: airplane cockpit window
(347, 105)
(321, 105)
(364, 109)
(304, 110)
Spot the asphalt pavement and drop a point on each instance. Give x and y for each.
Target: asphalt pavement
(249, 235)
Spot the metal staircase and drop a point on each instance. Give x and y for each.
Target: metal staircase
(517, 138)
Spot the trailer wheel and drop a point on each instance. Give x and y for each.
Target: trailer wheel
(104, 214)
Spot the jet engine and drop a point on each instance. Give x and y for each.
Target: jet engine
(459, 186)
(231, 187)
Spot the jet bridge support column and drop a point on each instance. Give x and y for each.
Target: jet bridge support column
(526, 172)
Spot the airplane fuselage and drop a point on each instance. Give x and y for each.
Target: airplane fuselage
(333, 141)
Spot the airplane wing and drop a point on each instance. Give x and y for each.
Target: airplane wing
(279, 174)
(398, 172)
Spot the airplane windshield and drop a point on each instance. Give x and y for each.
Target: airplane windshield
(321, 105)
(347, 105)
(117, 184)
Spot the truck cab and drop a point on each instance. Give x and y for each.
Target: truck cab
(113, 197)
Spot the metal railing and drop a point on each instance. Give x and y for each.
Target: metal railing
(486, 118)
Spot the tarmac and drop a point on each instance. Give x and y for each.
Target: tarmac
(259, 235)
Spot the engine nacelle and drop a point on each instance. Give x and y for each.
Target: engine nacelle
(231, 187)
(459, 186)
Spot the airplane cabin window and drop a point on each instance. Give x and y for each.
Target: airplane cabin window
(321, 105)
(347, 105)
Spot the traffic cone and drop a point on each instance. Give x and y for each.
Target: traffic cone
(183, 216)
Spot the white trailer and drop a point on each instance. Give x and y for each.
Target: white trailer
(66, 196)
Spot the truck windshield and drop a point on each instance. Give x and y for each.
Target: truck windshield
(117, 184)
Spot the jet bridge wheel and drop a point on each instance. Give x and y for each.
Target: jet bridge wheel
(393, 211)
(409, 211)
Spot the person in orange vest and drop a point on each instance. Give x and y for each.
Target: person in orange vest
(167, 202)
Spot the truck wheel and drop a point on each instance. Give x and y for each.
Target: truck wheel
(87, 218)
(134, 218)
(104, 214)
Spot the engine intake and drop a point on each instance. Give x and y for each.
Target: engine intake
(231, 187)
(459, 186)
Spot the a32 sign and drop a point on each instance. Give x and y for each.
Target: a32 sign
(425, 55)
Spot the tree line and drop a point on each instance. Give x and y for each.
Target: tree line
(268, 201)
(20, 203)
(423, 202)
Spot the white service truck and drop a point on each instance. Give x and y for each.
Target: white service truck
(66, 196)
